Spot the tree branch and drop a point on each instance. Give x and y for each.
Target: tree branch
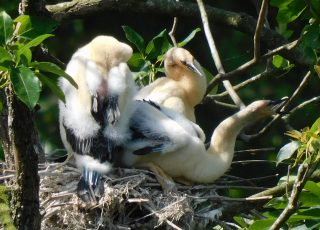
(298, 185)
(215, 55)
(238, 21)
(257, 34)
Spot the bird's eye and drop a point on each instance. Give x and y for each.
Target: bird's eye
(184, 62)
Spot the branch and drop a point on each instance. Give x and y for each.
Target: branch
(268, 73)
(257, 34)
(299, 183)
(244, 67)
(238, 21)
(215, 55)
(301, 106)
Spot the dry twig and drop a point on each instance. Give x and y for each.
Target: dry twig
(215, 55)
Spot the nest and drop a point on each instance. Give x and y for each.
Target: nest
(133, 199)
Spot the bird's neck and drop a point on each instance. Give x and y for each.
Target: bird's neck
(224, 136)
(194, 86)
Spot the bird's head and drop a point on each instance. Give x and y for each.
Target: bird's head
(109, 52)
(264, 108)
(177, 60)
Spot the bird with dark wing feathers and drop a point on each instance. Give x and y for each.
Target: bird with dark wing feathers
(91, 120)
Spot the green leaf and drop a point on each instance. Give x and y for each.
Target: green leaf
(53, 68)
(311, 36)
(25, 24)
(290, 10)
(51, 82)
(261, 224)
(4, 55)
(315, 126)
(313, 188)
(26, 85)
(34, 42)
(189, 38)
(287, 151)
(134, 37)
(136, 61)
(280, 62)
(158, 45)
(26, 57)
(6, 28)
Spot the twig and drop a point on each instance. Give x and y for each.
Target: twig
(297, 92)
(244, 67)
(218, 187)
(173, 30)
(301, 106)
(293, 199)
(215, 55)
(257, 34)
(249, 179)
(255, 150)
(265, 74)
(224, 198)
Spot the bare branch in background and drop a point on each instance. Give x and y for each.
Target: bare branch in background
(293, 199)
(297, 92)
(173, 30)
(215, 55)
(257, 34)
(301, 106)
(244, 67)
(265, 74)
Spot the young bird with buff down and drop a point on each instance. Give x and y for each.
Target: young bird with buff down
(183, 87)
(173, 148)
(91, 120)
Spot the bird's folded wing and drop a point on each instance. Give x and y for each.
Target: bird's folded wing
(152, 131)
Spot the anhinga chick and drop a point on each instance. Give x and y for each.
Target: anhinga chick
(176, 151)
(183, 87)
(104, 83)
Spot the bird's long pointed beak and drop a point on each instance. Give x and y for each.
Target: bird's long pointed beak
(193, 68)
(276, 105)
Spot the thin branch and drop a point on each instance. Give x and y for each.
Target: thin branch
(255, 150)
(295, 94)
(215, 55)
(238, 21)
(268, 73)
(298, 90)
(301, 106)
(257, 34)
(172, 31)
(293, 199)
(244, 67)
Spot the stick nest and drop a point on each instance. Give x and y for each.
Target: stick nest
(133, 199)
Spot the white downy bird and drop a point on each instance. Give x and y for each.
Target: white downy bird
(173, 148)
(183, 87)
(91, 119)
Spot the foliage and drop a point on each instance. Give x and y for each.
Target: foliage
(304, 148)
(5, 217)
(307, 12)
(147, 62)
(17, 39)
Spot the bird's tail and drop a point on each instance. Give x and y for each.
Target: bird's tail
(90, 186)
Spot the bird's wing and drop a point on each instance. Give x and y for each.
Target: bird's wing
(190, 127)
(98, 147)
(154, 132)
